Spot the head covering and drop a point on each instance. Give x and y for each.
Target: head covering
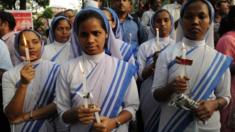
(152, 22)
(17, 42)
(53, 26)
(111, 43)
(117, 30)
(77, 51)
(209, 36)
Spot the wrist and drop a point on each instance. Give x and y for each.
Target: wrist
(219, 105)
(117, 122)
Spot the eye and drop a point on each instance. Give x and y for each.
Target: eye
(96, 33)
(83, 34)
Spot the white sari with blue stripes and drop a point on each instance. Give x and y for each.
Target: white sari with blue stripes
(40, 92)
(144, 58)
(111, 81)
(209, 78)
(58, 52)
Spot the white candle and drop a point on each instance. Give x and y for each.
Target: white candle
(183, 71)
(26, 49)
(85, 91)
(157, 36)
(130, 37)
(97, 116)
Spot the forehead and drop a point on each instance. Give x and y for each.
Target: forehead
(197, 7)
(162, 14)
(29, 34)
(63, 22)
(90, 24)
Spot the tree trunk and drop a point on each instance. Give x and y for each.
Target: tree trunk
(22, 4)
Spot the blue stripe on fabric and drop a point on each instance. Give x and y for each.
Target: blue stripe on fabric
(174, 62)
(110, 88)
(209, 77)
(164, 48)
(213, 62)
(45, 85)
(154, 120)
(125, 50)
(115, 89)
(125, 84)
(128, 55)
(182, 125)
(50, 89)
(38, 125)
(173, 118)
(57, 54)
(47, 88)
(121, 49)
(216, 81)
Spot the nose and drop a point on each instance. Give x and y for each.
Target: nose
(30, 45)
(195, 20)
(162, 23)
(90, 39)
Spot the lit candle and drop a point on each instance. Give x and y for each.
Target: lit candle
(85, 91)
(157, 36)
(26, 49)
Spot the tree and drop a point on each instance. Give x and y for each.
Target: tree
(43, 3)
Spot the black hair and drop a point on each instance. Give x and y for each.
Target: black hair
(8, 17)
(228, 23)
(185, 7)
(90, 14)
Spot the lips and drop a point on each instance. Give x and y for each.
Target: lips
(195, 30)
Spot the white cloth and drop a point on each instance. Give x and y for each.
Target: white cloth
(145, 19)
(202, 56)
(5, 60)
(98, 69)
(147, 49)
(174, 10)
(35, 89)
(60, 52)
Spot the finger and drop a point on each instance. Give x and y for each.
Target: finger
(86, 119)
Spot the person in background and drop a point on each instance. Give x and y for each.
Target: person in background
(59, 50)
(119, 48)
(221, 10)
(154, 5)
(7, 34)
(174, 8)
(204, 80)
(5, 64)
(109, 80)
(132, 29)
(70, 14)
(226, 45)
(146, 58)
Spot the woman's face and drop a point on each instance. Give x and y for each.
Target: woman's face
(71, 16)
(163, 23)
(62, 31)
(196, 21)
(92, 36)
(110, 18)
(33, 44)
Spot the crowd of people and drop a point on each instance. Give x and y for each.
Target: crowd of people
(167, 68)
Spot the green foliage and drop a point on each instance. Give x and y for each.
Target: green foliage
(43, 3)
(47, 13)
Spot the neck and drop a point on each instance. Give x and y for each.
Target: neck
(122, 16)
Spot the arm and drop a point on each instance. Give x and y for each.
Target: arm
(15, 106)
(223, 95)
(40, 113)
(131, 104)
